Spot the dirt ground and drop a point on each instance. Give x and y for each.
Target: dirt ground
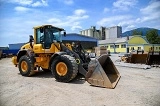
(137, 87)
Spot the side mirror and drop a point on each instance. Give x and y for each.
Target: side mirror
(64, 33)
(31, 38)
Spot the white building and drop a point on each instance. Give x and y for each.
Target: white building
(103, 33)
(113, 32)
(92, 32)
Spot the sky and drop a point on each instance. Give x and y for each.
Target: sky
(18, 17)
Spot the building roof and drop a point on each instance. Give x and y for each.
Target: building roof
(120, 40)
(107, 41)
(78, 37)
(138, 39)
(115, 40)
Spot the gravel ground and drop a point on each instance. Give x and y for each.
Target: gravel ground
(137, 87)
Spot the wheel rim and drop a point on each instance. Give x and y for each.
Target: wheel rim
(24, 66)
(61, 69)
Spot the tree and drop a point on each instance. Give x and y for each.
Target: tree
(136, 32)
(152, 36)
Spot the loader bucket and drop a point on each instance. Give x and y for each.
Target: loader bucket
(153, 58)
(138, 58)
(102, 72)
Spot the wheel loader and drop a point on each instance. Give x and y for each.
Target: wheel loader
(46, 51)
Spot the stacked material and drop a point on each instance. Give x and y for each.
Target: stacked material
(100, 50)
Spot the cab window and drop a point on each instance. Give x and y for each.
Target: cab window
(39, 36)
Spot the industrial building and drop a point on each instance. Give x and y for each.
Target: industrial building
(103, 33)
(92, 32)
(113, 32)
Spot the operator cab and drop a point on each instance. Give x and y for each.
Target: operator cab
(48, 34)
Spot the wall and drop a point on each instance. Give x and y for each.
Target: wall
(156, 47)
(145, 47)
(13, 51)
(122, 49)
(118, 47)
(136, 47)
(15, 46)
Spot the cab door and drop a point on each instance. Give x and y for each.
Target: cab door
(39, 41)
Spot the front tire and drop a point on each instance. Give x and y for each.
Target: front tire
(26, 66)
(64, 68)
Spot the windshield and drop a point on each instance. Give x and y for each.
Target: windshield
(53, 34)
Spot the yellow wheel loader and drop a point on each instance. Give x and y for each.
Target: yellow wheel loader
(46, 51)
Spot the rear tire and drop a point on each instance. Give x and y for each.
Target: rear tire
(64, 68)
(26, 66)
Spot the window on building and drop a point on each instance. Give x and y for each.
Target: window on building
(159, 48)
(123, 46)
(116, 46)
(132, 48)
(156, 48)
(139, 48)
(111, 46)
(105, 46)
